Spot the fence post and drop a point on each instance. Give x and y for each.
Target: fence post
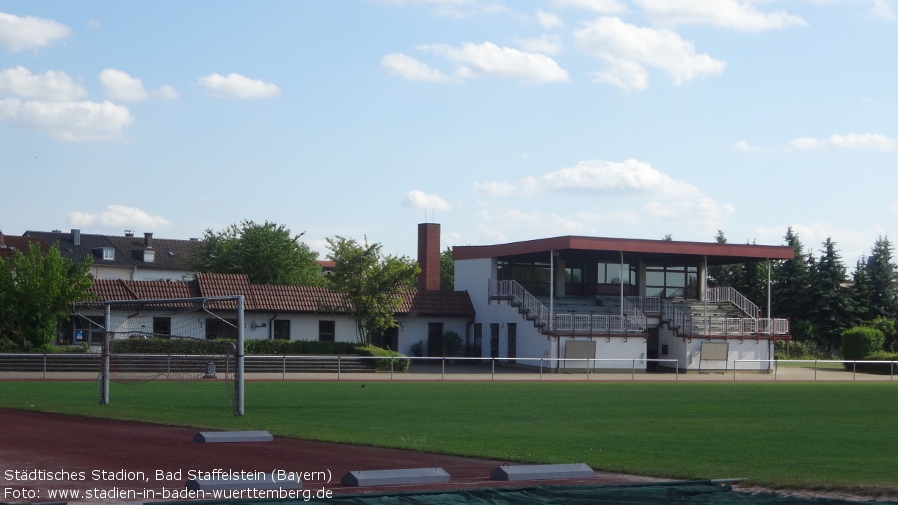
(854, 370)
(338, 367)
(493, 376)
(391, 367)
(284, 369)
(815, 369)
(443, 373)
(45, 366)
(633, 371)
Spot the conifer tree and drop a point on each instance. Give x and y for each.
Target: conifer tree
(831, 312)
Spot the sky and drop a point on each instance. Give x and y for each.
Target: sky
(501, 120)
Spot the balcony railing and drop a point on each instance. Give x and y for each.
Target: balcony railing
(633, 322)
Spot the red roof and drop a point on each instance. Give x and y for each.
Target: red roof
(271, 298)
(657, 249)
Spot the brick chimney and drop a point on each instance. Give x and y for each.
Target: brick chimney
(429, 256)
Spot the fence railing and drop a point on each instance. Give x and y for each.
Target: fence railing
(820, 370)
(54, 366)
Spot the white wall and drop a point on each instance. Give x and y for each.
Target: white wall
(147, 274)
(688, 352)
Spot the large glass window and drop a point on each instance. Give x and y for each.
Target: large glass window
(610, 273)
(671, 281)
(327, 331)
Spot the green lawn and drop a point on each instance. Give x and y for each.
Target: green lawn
(797, 435)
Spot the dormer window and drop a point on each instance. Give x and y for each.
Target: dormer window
(107, 253)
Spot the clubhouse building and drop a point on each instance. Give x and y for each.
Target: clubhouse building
(611, 303)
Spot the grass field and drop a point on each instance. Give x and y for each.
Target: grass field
(779, 435)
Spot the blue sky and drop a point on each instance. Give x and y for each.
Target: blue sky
(501, 120)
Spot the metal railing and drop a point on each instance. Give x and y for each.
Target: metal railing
(54, 365)
(533, 309)
(728, 294)
(819, 370)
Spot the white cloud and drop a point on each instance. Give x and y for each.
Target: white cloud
(628, 183)
(872, 141)
(76, 121)
(745, 147)
(50, 86)
(237, 86)
(629, 49)
(411, 69)
(807, 143)
(418, 199)
(882, 9)
(118, 216)
(547, 44)
(166, 93)
(735, 14)
(18, 33)
(600, 6)
(548, 20)
(121, 86)
(489, 60)
(875, 141)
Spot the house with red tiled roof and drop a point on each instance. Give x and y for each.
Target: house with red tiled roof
(612, 303)
(10, 244)
(287, 312)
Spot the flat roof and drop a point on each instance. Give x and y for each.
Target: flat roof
(647, 250)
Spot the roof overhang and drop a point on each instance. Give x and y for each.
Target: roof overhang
(650, 251)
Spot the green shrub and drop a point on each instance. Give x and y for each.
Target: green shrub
(170, 346)
(7, 345)
(308, 347)
(876, 368)
(860, 342)
(798, 349)
(399, 364)
(452, 344)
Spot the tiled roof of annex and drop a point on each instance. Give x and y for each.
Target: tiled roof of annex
(271, 298)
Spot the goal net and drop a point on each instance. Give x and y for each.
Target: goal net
(187, 339)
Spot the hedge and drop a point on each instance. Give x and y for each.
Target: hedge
(400, 364)
(860, 342)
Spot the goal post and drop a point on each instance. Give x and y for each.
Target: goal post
(187, 324)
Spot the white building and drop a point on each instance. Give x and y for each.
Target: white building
(614, 303)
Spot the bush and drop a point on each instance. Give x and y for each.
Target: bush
(860, 342)
(797, 349)
(7, 345)
(885, 368)
(452, 344)
(399, 364)
(288, 347)
(170, 346)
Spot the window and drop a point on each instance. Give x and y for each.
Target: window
(282, 329)
(327, 331)
(162, 326)
(573, 275)
(478, 337)
(108, 253)
(221, 328)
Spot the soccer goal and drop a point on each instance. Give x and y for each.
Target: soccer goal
(176, 339)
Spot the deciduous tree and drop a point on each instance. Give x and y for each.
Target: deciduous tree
(370, 283)
(37, 291)
(267, 253)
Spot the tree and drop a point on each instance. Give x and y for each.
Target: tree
(722, 275)
(37, 292)
(882, 280)
(370, 283)
(831, 312)
(860, 292)
(267, 253)
(791, 281)
(447, 271)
